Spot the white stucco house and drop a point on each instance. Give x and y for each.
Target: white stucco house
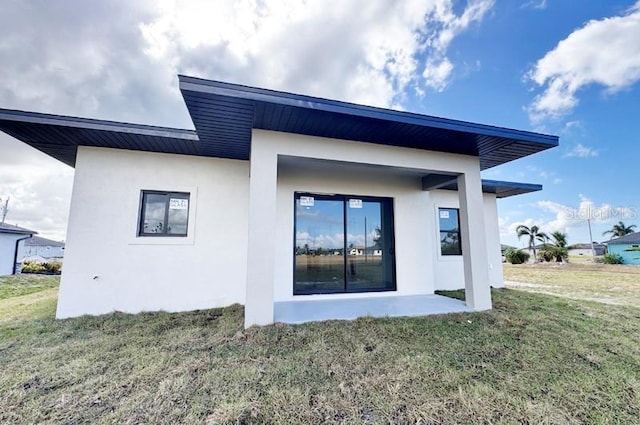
(585, 249)
(290, 182)
(37, 246)
(10, 238)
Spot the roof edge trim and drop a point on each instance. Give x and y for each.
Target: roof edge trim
(195, 84)
(95, 124)
(533, 187)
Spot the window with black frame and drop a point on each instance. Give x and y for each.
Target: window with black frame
(449, 220)
(163, 213)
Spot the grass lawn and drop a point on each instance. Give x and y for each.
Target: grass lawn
(14, 286)
(533, 359)
(613, 284)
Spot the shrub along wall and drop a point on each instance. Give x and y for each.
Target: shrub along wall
(50, 267)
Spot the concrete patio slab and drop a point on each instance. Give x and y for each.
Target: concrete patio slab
(302, 311)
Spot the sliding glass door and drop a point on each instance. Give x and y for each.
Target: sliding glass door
(343, 244)
(319, 245)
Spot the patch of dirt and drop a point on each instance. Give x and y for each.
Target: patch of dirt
(514, 284)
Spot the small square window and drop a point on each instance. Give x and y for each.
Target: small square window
(163, 213)
(449, 221)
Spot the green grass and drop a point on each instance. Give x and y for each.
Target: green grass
(533, 359)
(14, 286)
(614, 284)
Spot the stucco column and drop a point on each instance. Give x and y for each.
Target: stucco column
(262, 236)
(473, 237)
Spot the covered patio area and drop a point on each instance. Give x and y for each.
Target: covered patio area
(295, 312)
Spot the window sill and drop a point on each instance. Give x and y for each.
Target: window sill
(162, 240)
(449, 258)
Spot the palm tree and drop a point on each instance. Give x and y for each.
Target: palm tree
(534, 235)
(557, 249)
(620, 230)
(559, 239)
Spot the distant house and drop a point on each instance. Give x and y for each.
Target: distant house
(356, 251)
(10, 237)
(504, 247)
(626, 246)
(538, 248)
(37, 246)
(585, 249)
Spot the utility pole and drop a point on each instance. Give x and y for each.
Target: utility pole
(365, 239)
(593, 248)
(4, 209)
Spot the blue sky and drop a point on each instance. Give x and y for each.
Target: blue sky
(595, 165)
(556, 66)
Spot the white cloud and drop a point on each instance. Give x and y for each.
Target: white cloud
(540, 173)
(360, 51)
(566, 217)
(438, 68)
(552, 216)
(436, 74)
(535, 4)
(39, 197)
(581, 151)
(603, 52)
(570, 126)
(118, 60)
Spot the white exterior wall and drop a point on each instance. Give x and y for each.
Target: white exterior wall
(420, 268)
(43, 251)
(7, 251)
(448, 269)
(580, 251)
(414, 236)
(270, 279)
(108, 268)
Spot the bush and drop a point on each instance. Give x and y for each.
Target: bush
(52, 267)
(28, 267)
(515, 256)
(553, 253)
(612, 259)
(546, 256)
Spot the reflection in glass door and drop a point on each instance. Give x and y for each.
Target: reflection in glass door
(319, 245)
(369, 245)
(343, 244)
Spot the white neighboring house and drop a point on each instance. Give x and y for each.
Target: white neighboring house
(37, 246)
(273, 175)
(10, 238)
(585, 249)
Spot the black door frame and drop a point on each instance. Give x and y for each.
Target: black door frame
(345, 200)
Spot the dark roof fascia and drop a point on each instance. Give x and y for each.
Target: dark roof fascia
(96, 124)
(302, 101)
(16, 230)
(40, 241)
(630, 239)
(586, 245)
(503, 189)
